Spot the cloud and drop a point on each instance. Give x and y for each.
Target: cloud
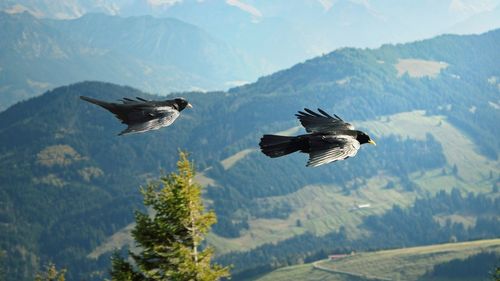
(327, 4)
(365, 3)
(163, 2)
(245, 7)
(471, 7)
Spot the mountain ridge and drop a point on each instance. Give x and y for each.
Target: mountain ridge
(41, 54)
(95, 177)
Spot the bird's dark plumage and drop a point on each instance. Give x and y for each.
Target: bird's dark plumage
(143, 115)
(329, 139)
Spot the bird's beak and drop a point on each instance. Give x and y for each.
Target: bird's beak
(372, 142)
(189, 105)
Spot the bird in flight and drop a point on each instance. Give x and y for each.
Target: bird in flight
(329, 139)
(143, 115)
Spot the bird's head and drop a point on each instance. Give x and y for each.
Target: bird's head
(364, 138)
(182, 103)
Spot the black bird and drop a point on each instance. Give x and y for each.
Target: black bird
(143, 115)
(329, 139)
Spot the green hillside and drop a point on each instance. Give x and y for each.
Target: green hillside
(69, 185)
(399, 264)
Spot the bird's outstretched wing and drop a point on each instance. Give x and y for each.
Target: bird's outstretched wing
(326, 149)
(141, 110)
(137, 101)
(321, 122)
(158, 118)
(127, 100)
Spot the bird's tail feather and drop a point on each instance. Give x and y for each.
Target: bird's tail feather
(276, 146)
(98, 102)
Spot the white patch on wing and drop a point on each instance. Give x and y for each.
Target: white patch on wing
(165, 108)
(166, 118)
(317, 158)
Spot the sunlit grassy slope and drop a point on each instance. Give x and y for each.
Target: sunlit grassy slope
(325, 208)
(320, 209)
(400, 264)
(458, 149)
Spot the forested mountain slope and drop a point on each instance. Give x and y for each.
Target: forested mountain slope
(68, 183)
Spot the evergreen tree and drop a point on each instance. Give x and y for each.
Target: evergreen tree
(51, 274)
(496, 274)
(170, 238)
